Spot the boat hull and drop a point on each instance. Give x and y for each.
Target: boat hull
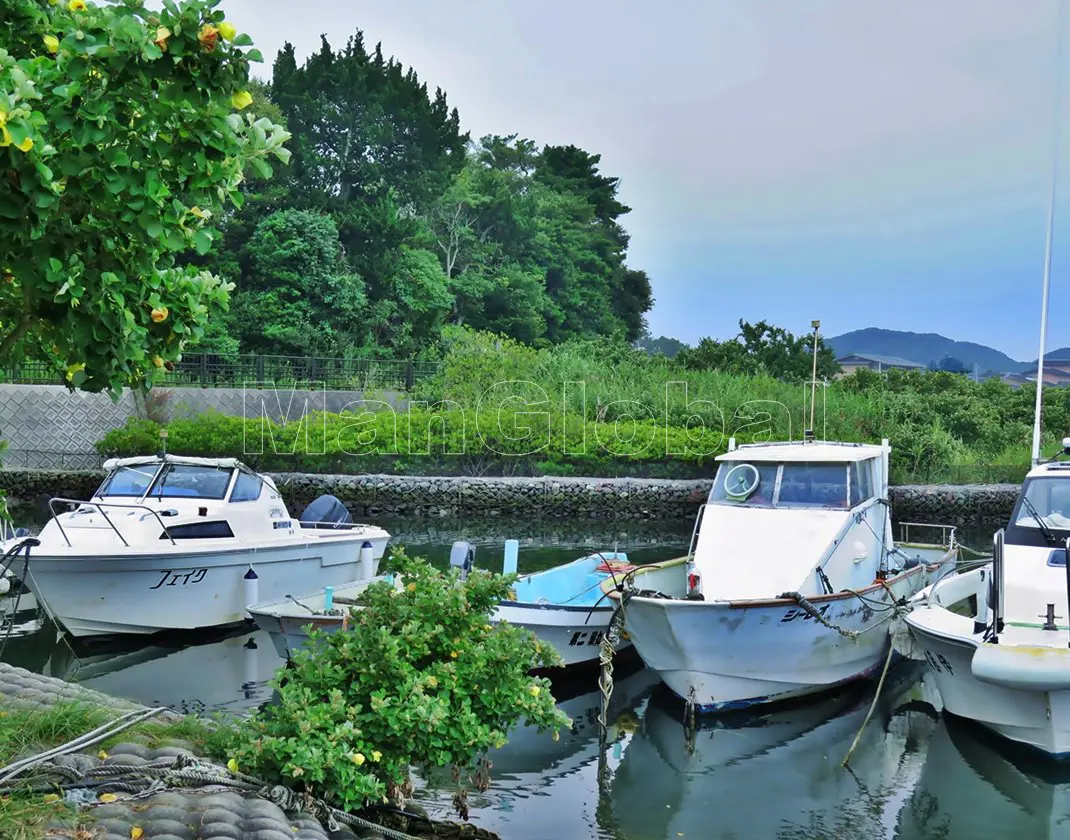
(186, 589)
(730, 655)
(575, 633)
(1037, 719)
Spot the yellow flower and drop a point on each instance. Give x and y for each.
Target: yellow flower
(136, 832)
(162, 34)
(376, 755)
(51, 43)
(5, 136)
(101, 755)
(453, 654)
(242, 99)
(227, 31)
(432, 681)
(357, 758)
(199, 213)
(411, 587)
(106, 797)
(3, 119)
(232, 765)
(156, 360)
(208, 36)
(76, 5)
(25, 145)
(534, 691)
(159, 315)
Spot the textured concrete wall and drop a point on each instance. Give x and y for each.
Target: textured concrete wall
(588, 498)
(49, 427)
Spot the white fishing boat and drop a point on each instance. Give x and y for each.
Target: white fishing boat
(792, 580)
(563, 606)
(178, 543)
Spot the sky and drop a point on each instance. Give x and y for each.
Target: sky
(866, 164)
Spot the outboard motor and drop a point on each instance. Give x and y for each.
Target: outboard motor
(326, 512)
(463, 557)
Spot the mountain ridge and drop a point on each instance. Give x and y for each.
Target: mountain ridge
(930, 348)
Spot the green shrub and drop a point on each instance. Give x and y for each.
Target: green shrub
(420, 678)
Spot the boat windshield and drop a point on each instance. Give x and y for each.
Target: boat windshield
(191, 482)
(1050, 499)
(128, 481)
(792, 485)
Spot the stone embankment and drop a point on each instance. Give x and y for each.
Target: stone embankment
(547, 498)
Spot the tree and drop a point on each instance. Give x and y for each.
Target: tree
(299, 297)
(120, 141)
(762, 349)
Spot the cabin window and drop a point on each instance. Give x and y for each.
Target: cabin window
(1050, 499)
(861, 482)
(246, 488)
(746, 484)
(813, 485)
(199, 530)
(128, 481)
(191, 482)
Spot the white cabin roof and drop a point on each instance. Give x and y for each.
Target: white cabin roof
(142, 460)
(1057, 469)
(796, 451)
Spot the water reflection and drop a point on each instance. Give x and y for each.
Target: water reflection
(223, 671)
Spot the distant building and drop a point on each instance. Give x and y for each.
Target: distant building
(854, 361)
(1056, 372)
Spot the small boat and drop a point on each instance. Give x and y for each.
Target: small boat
(179, 543)
(791, 581)
(563, 606)
(996, 637)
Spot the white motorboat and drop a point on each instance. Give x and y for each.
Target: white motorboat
(563, 606)
(996, 637)
(177, 543)
(792, 581)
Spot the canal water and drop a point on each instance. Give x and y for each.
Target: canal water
(915, 773)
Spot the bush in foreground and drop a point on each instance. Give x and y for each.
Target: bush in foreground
(419, 678)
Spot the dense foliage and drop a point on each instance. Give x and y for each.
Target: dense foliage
(416, 225)
(419, 678)
(602, 408)
(123, 132)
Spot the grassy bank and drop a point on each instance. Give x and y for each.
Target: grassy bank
(602, 409)
(24, 815)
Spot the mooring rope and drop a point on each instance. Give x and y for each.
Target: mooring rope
(183, 771)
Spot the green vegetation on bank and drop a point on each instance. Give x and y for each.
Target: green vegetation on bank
(603, 408)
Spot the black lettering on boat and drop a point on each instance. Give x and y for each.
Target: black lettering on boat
(577, 638)
(171, 578)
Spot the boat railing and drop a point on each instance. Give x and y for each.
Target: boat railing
(100, 508)
(996, 590)
(947, 532)
(694, 533)
(331, 526)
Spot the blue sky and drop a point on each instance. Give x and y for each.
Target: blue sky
(868, 164)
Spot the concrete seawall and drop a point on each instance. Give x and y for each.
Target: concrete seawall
(547, 498)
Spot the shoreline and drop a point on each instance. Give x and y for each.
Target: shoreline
(550, 497)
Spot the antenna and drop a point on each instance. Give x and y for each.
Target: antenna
(1039, 408)
(813, 383)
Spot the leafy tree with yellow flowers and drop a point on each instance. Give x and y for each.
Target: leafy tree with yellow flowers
(124, 135)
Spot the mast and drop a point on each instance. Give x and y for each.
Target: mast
(1038, 409)
(813, 380)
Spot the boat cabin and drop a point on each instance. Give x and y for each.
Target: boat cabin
(793, 516)
(824, 476)
(1041, 514)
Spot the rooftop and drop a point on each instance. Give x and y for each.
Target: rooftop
(796, 451)
(891, 361)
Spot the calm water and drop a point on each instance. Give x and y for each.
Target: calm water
(915, 774)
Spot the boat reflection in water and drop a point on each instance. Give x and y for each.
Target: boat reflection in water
(541, 787)
(977, 786)
(227, 670)
(777, 774)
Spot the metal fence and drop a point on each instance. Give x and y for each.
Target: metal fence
(210, 370)
(43, 459)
